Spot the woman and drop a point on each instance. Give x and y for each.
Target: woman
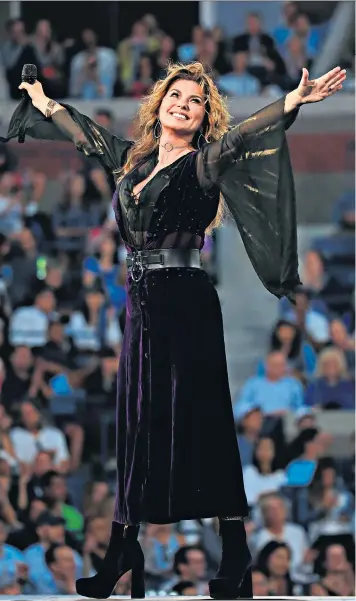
(107, 266)
(341, 339)
(332, 389)
(175, 423)
(274, 561)
(263, 475)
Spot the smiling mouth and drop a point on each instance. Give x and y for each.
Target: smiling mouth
(179, 116)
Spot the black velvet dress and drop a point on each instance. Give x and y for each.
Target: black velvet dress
(177, 453)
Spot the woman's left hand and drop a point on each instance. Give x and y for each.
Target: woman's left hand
(315, 90)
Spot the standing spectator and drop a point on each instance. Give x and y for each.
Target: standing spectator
(332, 388)
(239, 82)
(50, 59)
(275, 393)
(188, 52)
(16, 52)
(285, 29)
(309, 36)
(129, 52)
(277, 528)
(165, 53)
(33, 435)
(295, 58)
(92, 71)
(264, 61)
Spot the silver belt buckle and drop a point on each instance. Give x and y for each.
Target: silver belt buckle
(137, 268)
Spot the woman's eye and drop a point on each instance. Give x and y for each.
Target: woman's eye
(197, 100)
(174, 94)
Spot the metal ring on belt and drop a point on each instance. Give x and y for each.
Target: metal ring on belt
(140, 260)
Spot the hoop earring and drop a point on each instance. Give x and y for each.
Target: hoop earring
(157, 135)
(199, 143)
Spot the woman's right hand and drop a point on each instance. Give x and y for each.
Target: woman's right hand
(36, 93)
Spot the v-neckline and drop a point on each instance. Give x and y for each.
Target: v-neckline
(137, 197)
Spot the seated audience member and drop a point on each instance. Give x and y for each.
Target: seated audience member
(105, 266)
(239, 82)
(276, 393)
(264, 475)
(165, 53)
(309, 444)
(321, 285)
(50, 59)
(29, 325)
(33, 434)
(309, 35)
(274, 560)
(97, 535)
(19, 377)
(313, 325)
(210, 55)
(249, 429)
(25, 536)
(56, 495)
(190, 565)
(144, 78)
(188, 52)
(185, 588)
(10, 557)
(332, 389)
(341, 340)
(285, 28)
(295, 58)
(160, 544)
(49, 530)
(277, 528)
(61, 565)
(95, 494)
(338, 578)
(24, 265)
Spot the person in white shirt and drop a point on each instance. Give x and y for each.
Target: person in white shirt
(277, 528)
(34, 436)
(29, 325)
(262, 476)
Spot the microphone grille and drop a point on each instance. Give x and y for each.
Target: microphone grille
(29, 71)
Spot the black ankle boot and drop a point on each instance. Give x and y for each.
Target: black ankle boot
(124, 553)
(233, 579)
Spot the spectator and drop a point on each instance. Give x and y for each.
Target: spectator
(264, 474)
(42, 464)
(332, 389)
(105, 266)
(341, 340)
(276, 393)
(285, 29)
(190, 565)
(96, 492)
(188, 52)
(24, 266)
(185, 588)
(307, 34)
(10, 557)
(29, 325)
(338, 578)
(249, 430)
(19, 377)
(295, 58)
(274, 560)
(208, 54)
(321, 284)
(155, 34)
(72, 220)
(56, 494)
(60, 283)
(93, 324)
(11, 220)
(8, 159)
(95, 547)
(165, 53)
(92, 71)
(144, 78)
(344, 211)
(16, 52)
(61, 564)
(239, 82)
(313, 325)
(50, 59)
(160, 544)
(277, 528)
(130, 50)
(264, 61)
(33, 435)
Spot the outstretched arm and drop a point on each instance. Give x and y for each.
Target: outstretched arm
(49, 120)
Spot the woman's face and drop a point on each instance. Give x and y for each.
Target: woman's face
(338, 331)
(286, 334)
(328, 477)
(331, 368)
(183, 108)
(278, 562)
(265, 450)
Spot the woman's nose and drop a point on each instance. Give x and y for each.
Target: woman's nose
(183, 105)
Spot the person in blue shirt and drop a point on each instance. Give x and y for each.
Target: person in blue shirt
(239, 82)
(50, 530)
(275, 393)
(10, 557)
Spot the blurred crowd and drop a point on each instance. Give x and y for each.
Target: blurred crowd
(254, 62)
(62, 318)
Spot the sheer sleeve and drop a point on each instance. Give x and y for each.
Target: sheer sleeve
(69, 124)
(251, 167)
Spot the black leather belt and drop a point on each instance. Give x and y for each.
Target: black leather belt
(140, 260)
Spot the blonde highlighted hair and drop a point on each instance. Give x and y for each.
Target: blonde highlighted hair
(338, 356)
(215, 123)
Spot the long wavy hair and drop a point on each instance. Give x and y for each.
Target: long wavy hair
(215, 123)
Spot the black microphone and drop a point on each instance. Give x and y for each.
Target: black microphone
(29, 75)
